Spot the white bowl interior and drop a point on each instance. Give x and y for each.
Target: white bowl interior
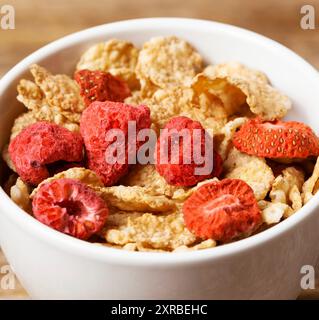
(216, 42)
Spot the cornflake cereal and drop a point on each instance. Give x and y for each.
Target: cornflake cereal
(262, 99)
(252, 170)
(286, 189)
(168, 61)
(135, 199)
(273, 212)
(158, 232)
(234, 103)
(20, 194)
(118, 57)
(310, 186)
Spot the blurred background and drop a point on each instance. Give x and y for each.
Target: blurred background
(39, 22)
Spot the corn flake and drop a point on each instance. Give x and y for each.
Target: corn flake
(85, 176)
(273, 212)
(253, 170)
(60, 90)
(286, 188)
(261, 97)
(165, 232)
(135, 198)
(308, 188)
(228, 132)
(168, 61)
(147, 177)
(20, 194)
(113, 54)
(30, 94)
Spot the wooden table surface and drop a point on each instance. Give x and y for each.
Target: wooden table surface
(38, 22)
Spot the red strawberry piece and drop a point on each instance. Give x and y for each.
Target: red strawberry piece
(222, 210)
(178, 169)
(101, 86)
(97, 121)
(276, 139)
(69, 206)
(41, 144)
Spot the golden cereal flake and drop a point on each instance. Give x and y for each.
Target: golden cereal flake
(85, 176)
(147, 176)
(21, 122)
(308, 188)
(228, 132)
(261, 97)
(169, 103)
(153, 231)
(236, 70)
(20, 194)
(286, 188)
(135, 198)
(60, 90)
(253, 170)
(113, 54)
(168, 61)
(30, 94)
(45, 113)
(273, 212)
(232, 98)
(206, 244)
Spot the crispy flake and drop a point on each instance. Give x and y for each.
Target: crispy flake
(86, 176)
(152, 231)
(135, 198)
(147, 177)
(273, 212)
(20, 194)
(253, 170)
(30, 94)
(110, 55)
(228, 132)
(261, 97)
(286, 188)
(168, 61)
(308, 188)
(60, 91)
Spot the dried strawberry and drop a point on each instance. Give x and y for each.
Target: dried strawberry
(41, 144)
(222, 210)
(97, 121)
(71, 207)
(179, 169)
(276, 139)
(101, 86)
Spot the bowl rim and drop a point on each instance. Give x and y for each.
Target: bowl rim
(103, 253)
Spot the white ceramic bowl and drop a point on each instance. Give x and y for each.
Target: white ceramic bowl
(52, 265)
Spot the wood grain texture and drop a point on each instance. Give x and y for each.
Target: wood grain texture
(39, 22)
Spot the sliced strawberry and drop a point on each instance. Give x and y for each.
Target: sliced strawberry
(222, 210)
(276, 139)
(101, 86)
(71, 207)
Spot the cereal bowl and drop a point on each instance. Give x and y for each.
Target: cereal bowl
(51, 265)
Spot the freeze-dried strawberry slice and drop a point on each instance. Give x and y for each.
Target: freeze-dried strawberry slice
(101, 86)
(222, 210)
(71, 207)
(276, 139)
(184, 147)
